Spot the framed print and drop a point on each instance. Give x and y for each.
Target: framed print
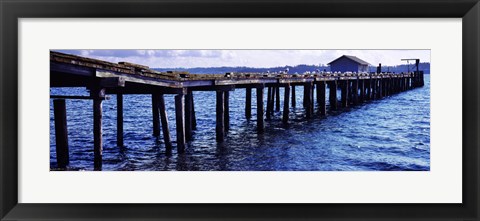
(239, 110)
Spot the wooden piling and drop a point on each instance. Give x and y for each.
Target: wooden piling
(260, 121)
(308, 99)
(188, 116)
(226, 112)
(312, 97)
(155, 116)
(194, 117)
(248, 103)
(380, 86)
(355, 91)
(362, 90)
(294, 99)
(270, 102)
(277, 98)
(374, 89)
(305, 96)
(322, 108)
(368, 91)
(286, 108)
(98, 94)
(61, 133)
(164, 120)
(333, 95)
(220, 124)
(120, 120)
(350, 92)
(344, 94)
(180, 121)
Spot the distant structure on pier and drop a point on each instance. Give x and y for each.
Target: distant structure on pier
(347, 63)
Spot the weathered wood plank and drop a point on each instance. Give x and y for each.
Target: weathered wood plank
(139, 79)
(75, 97)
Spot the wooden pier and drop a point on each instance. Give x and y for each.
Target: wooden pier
(102, 78)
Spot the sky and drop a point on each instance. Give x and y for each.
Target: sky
(248, 58)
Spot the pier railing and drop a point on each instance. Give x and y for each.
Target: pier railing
(102, 78)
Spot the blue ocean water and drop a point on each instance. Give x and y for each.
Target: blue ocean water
(391, 134)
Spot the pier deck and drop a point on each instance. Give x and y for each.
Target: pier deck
(102, 78)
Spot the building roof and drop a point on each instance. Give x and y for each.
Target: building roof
(353, 58)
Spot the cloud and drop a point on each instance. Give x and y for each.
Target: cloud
(250, 58)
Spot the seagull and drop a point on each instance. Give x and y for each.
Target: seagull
(286, 70)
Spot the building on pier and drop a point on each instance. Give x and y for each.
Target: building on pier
(347, 63)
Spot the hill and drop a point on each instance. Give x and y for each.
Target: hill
(425, 67)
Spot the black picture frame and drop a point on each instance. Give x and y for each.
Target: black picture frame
(12, 10)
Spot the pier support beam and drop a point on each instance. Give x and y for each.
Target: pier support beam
(270, 102)
(194, 117)
(333, 95)
(294, 99)
(188, 116)
(312, 96)
(374, 89)
(120, 120)
(61, 133)
(380, 85)
(180, 121)
(155, 116)
(322, 108)
(165, 127)
(362, 90)
(226, 97)
(98, 94)
(368, 91)
(220, 123)
(308, 99)
(350, 92)
(277, 98)
(344, 94)
(355, 91)
(260, 121)
(248, 103)
(286, 108)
